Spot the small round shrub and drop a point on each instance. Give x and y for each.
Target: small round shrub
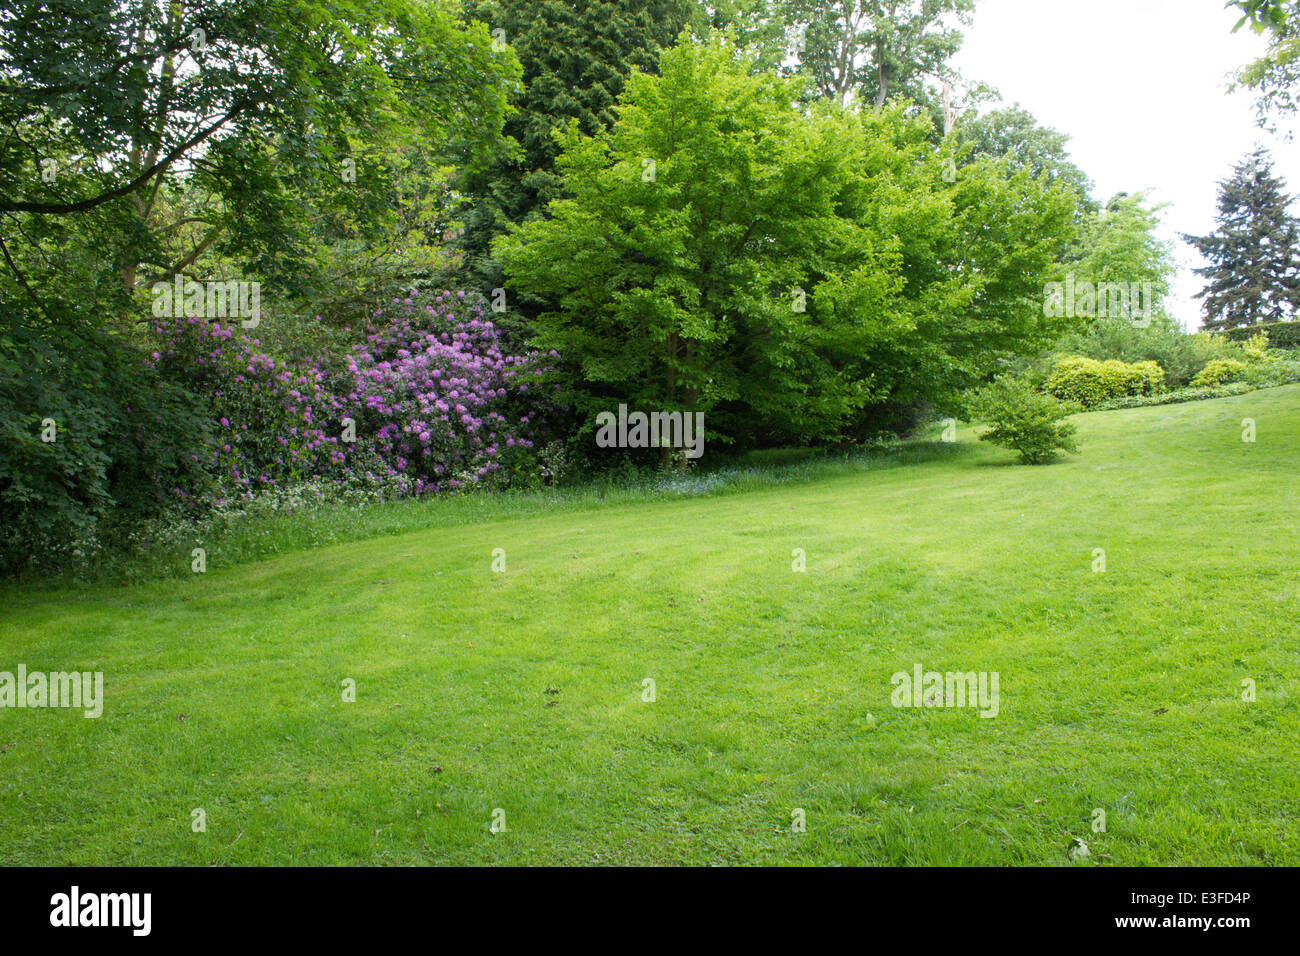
(1024, 420)
(1219, 372)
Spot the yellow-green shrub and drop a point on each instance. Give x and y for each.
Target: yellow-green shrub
(1089, 382)
(1255, 349)
(1145, 378)
(1219, 372)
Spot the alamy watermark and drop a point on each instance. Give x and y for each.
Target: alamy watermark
(129, 910)
(923, 688)
(214, 299)
(1135, 301)
(81, 690)
(651, 430)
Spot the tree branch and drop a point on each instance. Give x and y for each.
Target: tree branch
(82, 205)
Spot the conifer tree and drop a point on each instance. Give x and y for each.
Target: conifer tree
(576, 56)
(1254, 274)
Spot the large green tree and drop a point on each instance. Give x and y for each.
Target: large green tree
(1120, 243)
(878, 49)
(1253, 274)
(1013, 135)
(576, 57)
(722, 250)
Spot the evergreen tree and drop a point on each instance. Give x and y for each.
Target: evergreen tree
(576, 56)
(1253, 275)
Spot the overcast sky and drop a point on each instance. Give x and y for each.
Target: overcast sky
(1140, 87)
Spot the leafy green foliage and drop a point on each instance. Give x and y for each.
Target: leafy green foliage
(1278, 368)
(1275, 76)
(1254, 253)
(1219, 372)
(1164, 342)
(1015, 137)
(1176, 396)
(763, 28)
(878, 51)
(1024, 420)
(725, 252)
(1263, 14)
(1281, 335)
(576, 58)
(1119, 243)
(150, 139)
(125, 441)
(1088, 382)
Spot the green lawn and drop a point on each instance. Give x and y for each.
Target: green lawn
(522, 690)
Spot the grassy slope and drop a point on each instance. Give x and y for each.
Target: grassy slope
(223, 689)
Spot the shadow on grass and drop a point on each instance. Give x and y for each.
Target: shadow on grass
(235, 538)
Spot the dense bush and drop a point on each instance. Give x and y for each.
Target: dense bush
(270, 422)
(1183, 357)
(1219, 372)
(1163, 342)
(1253, 350)
(1145, 378)
(123, 448)
(1278, 368)
(1088, 382)
(427, 403)
(437, 403)
(1024, 420)
(1281, 335)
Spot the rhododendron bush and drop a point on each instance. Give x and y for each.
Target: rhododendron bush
(437, 400)
(427, 403)
(273, 423)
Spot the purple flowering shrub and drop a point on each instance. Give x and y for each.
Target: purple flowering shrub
(439, 403)
(434, 403)
(272, 423)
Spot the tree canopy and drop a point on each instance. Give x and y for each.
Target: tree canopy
(271, 113)
(1253, 273)
(722, 250)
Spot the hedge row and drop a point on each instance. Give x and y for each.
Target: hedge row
(1281, 335)
(1176, 396)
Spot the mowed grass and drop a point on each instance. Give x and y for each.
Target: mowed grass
(522, 691)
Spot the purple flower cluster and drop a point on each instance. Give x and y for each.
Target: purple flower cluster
(439, 400)
(273, 421)
(435, 404)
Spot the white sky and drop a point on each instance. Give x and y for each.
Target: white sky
(1140, 87)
